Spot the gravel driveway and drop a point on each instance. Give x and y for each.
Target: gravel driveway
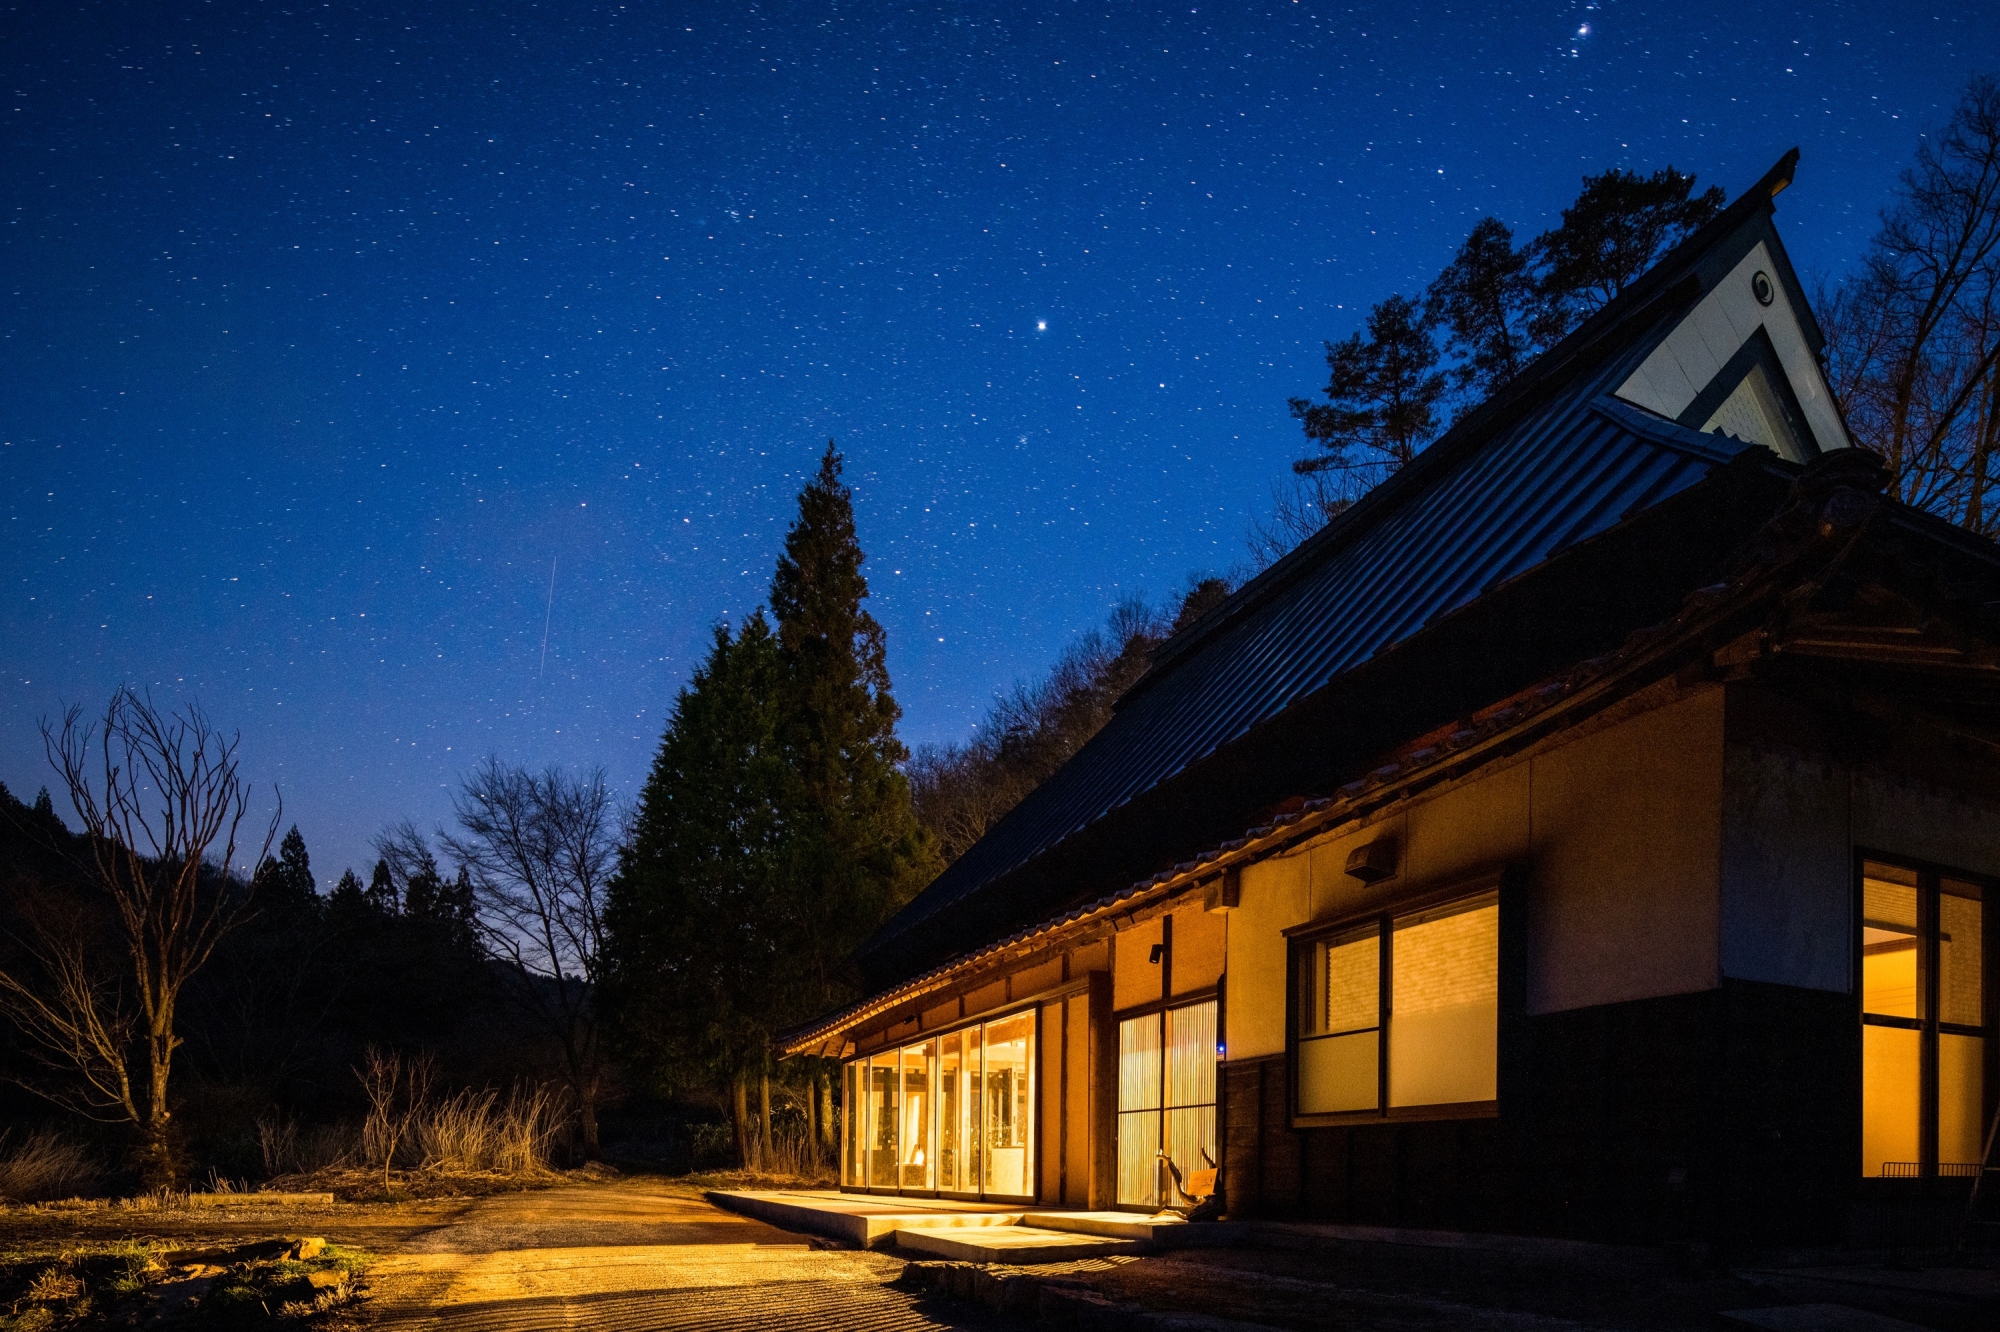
(631, 1257)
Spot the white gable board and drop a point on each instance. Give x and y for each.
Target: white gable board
(1714, 331)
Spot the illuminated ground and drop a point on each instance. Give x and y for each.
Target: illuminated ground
(634, 1256)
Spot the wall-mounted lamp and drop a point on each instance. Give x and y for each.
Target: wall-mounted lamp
(1159, 951)
(1373, 862)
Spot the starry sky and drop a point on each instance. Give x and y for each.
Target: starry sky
(411, 384)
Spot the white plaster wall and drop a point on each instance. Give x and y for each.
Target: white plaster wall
(1700, 345)
(1627, 833)
(1276, 895)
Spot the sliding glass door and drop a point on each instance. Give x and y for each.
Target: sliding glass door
(1166, 1100)
(952, 1114)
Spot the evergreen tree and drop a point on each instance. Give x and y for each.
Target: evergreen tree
(853, 851)
(348, 897)
(382, 894)
(1618, 227)
(1485, 299)
(1382, 393)
(285, 881)
(690, 958)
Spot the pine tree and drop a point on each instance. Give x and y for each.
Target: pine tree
(853, 851)
(1485, 300)
(1382, 397)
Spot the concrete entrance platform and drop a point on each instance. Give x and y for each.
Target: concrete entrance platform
(869, 1220)
(1150, 1232)
(971, 1232)
(1014, 1245)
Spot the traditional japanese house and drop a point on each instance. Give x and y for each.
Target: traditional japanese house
(1587, 833)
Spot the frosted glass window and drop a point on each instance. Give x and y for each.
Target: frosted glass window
(1444, 1009)
(1924, 1021)
(1889, 1080)
(1889, 941)
(1961, 1101)
(1436, 1037)
(1339, 1073)
(1961, 954)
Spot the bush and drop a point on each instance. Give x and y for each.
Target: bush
(43, 1166)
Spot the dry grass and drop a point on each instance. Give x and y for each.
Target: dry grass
(792, 1156)
(477, 1131)
(44, 1166)
(289, 1150)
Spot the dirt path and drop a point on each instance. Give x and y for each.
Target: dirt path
(632, 1257)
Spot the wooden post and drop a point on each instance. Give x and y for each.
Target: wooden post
(1102, 1098)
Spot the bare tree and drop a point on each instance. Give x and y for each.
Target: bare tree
(161, 801)
(1301, 504)
(540, 848)
(1913, 342)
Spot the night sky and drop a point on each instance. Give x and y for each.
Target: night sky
(333, 332)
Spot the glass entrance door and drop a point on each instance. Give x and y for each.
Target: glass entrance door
(1166, 1100)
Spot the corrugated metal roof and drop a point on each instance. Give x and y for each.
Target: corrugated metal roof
(1563, 474)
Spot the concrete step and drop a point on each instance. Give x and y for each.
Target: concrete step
(1153, 1232)
(869, 1221)
(1010, 1244)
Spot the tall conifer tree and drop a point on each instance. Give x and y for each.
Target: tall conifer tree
(691, 953)
(854, 853)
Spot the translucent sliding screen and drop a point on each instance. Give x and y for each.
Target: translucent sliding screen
(1961, 1056)
(1445, 1009)
(1139, 1091)
(953, 1114)
(1166, 1100)
(1923, 1022)
(1417, 1020)
(1340, 1027)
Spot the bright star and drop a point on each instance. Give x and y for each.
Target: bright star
(1041, 326)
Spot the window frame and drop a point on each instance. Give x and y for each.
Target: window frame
(1301, 942)
(1930, 875)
